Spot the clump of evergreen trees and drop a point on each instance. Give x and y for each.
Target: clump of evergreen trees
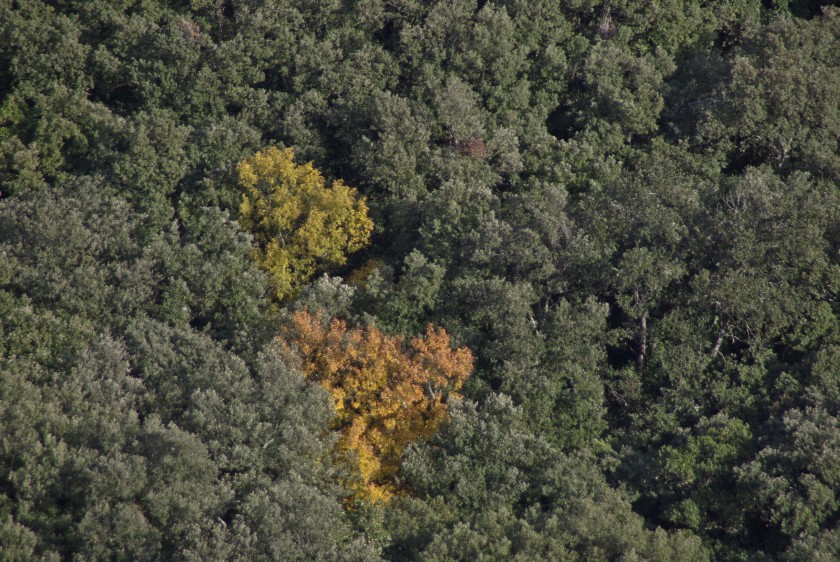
(628, 211)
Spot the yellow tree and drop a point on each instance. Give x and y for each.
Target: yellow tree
(300, 225)
(387, 395)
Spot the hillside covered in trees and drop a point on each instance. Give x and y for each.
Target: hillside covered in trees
(419, 280)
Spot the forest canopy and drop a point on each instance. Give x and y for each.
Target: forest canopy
(581, 302)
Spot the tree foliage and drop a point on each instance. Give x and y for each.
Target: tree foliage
(386, 396)
(629, 212)
(299, 224)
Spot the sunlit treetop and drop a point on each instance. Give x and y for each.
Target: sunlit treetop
(387, 394)
(300, 225)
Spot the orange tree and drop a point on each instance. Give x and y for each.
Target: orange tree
(387, 394)
(299, 224)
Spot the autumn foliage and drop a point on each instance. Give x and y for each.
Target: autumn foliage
(300, 225)
(387, 394)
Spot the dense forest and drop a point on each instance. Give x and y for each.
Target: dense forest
(419, 280)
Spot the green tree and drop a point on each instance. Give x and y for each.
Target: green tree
(490, 489)
(779, 104)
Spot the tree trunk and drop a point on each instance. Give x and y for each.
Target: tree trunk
(642, 349)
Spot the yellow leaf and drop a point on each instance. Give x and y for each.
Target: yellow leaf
(300, 225)
(386, 395)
